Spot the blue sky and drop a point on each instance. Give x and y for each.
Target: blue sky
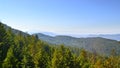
(62, 16)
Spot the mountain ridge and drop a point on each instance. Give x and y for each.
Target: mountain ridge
(107, 36)
(99, 45)
(93, 44)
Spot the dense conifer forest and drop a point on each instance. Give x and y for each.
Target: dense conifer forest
(27, 51)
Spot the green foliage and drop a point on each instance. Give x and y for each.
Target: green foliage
(4, 43)
(25, 51)
(97, 45)
(10, 60)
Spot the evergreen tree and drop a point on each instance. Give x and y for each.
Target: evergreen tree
(10, 61)
(4, 43)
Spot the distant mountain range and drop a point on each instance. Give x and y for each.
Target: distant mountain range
(107, 36)
(99, 45)
(93, 43)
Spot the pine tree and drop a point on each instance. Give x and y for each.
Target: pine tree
(4, 43)
(83, 59)
(10, 61)
(62, 58)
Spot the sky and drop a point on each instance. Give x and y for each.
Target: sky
(62, 16)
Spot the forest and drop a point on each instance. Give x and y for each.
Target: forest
(27, 51)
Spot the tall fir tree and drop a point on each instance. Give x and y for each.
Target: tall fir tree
(4, 43)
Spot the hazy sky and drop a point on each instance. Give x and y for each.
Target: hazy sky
(62, 16)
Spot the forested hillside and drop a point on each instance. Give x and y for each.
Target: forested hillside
(27, 51)
(98, 45)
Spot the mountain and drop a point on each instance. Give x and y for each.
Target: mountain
(93, 44)
(99, 45)
(15, 31)
(21, 51)
(107, 36)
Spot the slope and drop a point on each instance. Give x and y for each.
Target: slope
(98, 45)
